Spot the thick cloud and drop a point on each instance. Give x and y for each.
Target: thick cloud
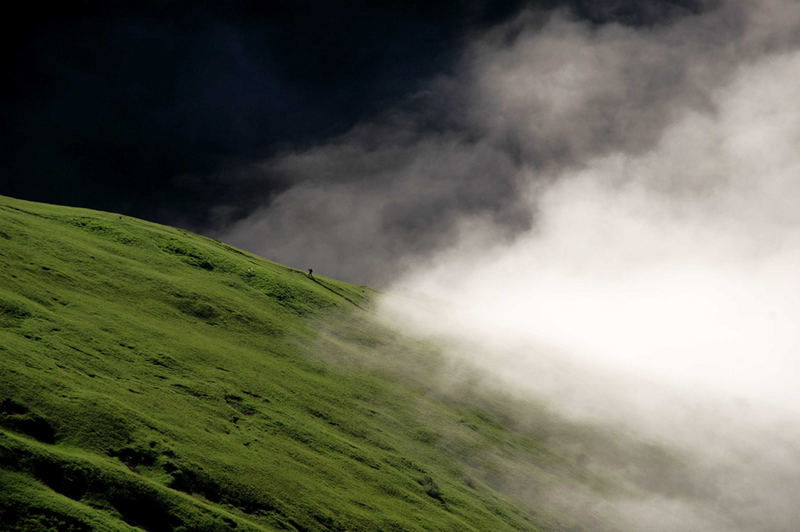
(529, 99)
(657, 290)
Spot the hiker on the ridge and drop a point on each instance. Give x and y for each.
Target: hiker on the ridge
(310, 272)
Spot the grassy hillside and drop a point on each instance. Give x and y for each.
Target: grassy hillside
(157, 379)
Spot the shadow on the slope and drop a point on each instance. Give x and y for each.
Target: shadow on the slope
(328, 288)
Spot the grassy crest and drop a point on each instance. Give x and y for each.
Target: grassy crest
(158, 379)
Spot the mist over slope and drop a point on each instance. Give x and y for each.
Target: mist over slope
(603, 217)
(593, 226)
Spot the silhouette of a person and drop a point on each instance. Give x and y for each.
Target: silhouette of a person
(310, 272)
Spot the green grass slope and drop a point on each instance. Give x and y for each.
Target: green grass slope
(155, 379)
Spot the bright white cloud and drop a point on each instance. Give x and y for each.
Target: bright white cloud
(660, 286)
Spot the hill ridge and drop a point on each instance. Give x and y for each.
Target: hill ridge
(152, 378)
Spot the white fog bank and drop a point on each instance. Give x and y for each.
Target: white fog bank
(658, 291)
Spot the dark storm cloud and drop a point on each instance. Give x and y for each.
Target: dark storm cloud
(162, 110)
(541, 93)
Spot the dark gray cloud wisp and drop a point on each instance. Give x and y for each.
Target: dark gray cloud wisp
(527, 100)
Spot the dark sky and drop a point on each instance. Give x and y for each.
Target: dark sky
(145, 107)
(136, 107)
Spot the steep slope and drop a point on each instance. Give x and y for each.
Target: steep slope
(157, 379)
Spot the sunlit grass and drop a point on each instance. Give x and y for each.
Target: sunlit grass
(158, 379)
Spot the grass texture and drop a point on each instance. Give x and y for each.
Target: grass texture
(155, 379)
